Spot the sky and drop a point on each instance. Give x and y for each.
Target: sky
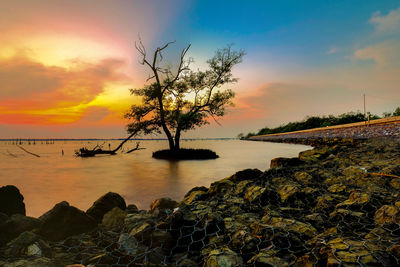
(66, 67)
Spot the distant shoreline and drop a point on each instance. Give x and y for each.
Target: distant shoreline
(101, 139)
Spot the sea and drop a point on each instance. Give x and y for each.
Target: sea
(56, 174)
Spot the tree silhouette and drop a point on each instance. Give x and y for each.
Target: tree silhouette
(177, 98)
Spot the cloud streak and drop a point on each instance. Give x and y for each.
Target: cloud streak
(32, 93)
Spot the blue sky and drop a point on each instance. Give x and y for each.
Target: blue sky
(302, 58)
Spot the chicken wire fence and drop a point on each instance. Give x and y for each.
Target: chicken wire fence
(340, 210)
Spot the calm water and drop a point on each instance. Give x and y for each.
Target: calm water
(138, 177)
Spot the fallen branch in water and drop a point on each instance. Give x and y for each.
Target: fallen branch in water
(136, 148)
(97, 150)
(12, 155)
(36, 155)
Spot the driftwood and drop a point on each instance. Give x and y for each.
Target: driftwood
(12, 155)
(97, 150)
(33, 154)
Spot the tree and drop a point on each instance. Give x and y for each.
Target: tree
(178, 99)
(396, 112)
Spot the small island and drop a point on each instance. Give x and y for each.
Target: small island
(185, 153)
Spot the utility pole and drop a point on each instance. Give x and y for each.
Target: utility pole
(365, 114)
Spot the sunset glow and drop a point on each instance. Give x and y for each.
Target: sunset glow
(68, 65)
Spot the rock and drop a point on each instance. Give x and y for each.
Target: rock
(336, 188)
(267, 257)
(104, 204)
(142, 232)
(221, 186)
(346, 216)
(305, 261)
(287, 191)
(315, 219)
(197, 188)
(285, 162)
(303, 177)
(11, 200)
(241, 187)
(344, 251)
(28, 244)
(260, 195)
(16, 225)
(3, 218)
(254, 192)
(114, 219)
(161, 238)
(356, 198)
(102, 259)
(247, 174)
(130, 245)
(63, 221)
(292, 225)
(320, 238)
(133, 220)
(387, 214)
(223, 257)
(395, 250)
(326, 203)
(244, 242)
(131, 208)
(354, 172)
(194, 196)
(314, 155)
(163, 204)
(395, 182)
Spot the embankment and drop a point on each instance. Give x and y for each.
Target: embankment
(389, 127)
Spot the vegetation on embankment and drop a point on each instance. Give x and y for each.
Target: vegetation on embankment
(317, 122)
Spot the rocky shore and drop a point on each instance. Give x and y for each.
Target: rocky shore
(337, 204)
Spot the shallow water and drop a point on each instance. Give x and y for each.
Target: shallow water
(139, 178)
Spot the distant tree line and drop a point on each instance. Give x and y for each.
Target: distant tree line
(317, 122)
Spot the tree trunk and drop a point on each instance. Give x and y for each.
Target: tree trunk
(177, 139)
(163, 124)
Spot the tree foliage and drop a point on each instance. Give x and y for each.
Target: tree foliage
(180, 99)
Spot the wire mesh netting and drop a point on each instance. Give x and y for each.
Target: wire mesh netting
(339, 206)
(334, 205)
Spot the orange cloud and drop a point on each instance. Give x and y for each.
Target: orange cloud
(32, 93)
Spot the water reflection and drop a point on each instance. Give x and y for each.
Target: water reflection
(138, 177)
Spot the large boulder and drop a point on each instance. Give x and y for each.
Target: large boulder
(28, 244)
(104, 204)
(15, 225)
(11, 200)
(63, 221)
(114, 219)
